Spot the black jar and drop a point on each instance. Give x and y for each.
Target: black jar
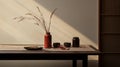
(76, 42)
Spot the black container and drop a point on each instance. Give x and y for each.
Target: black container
(76, 42)
(56, 45)
(67, 44)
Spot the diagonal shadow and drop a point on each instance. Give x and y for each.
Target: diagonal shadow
(80, 14)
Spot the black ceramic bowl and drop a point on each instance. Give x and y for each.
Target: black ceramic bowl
(56, 45)
(67, 44)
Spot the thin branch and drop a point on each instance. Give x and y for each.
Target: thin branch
(42, 17)
(51, 15)
(38, 20)
(39, 11)
(21, 18)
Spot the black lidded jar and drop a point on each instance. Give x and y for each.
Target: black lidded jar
(75, 42)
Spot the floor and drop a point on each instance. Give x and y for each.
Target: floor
(43, 63)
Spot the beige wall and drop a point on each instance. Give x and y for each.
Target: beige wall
(73, 18)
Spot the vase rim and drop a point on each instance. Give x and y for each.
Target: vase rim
(47, 32)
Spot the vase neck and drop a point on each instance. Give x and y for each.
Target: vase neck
(47, 32)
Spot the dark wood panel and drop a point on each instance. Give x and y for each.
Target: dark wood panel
(110, 7)
(110, 43)
(110, 60)
(110, 24)
(109, 33)
(110, 4)
(110, 12)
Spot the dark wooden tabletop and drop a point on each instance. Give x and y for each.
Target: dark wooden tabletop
(22, 54)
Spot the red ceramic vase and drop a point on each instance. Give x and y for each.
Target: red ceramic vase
(47, 40)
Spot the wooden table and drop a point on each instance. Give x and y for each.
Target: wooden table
(74, 54)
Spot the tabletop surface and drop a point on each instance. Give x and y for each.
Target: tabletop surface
(83, 49)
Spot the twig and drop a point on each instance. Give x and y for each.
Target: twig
(38, 20)
(21, 18)
(51, 18)
(39, 11)
(42, 17)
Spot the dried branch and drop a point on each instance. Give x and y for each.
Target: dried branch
(51, 18)
(38, 20)
(39, 11)
(42, 18)
(21, 18)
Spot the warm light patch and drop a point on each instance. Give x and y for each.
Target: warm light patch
(27, 32)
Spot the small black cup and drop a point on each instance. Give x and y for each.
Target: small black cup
(67, 44)
(56, 44)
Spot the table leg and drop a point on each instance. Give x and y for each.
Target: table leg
(74, 63)
(85, 61)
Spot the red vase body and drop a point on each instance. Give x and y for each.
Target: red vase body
(47, 40)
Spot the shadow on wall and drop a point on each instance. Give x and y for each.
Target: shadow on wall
(80, 14)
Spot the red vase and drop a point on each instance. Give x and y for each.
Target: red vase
(47, 40)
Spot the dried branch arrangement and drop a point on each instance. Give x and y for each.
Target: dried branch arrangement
(39, 19)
